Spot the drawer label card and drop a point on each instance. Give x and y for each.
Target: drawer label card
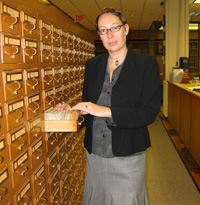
(52, 156)
(10, 11)
(29, 19)
(20, 160)
(1, 112)
(33, 74)
(31, 44)
(36, 146)
(48, 93)
(18, 134)
(43, 191)
(13, 77)
(23, 191)
(2, 144)
(48, 72)
(12, 41)
(39, 173)
(3, 176)
(15, 106)
(47, 26)
(35, 122)
(34, 98)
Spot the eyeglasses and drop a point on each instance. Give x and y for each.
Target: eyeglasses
(104, 31)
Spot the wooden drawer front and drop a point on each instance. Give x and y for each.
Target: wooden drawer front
(10, 19)
(55, 35)
(71, 39)
(62, 167)
(71, 56)
(82, 57)
(41, 197)
(51, 141)
(55, 197)
(36, 153)
(47, 78)
(52, 162)
(31, 81)
(29, 26)
(77, 43)
(82, 72)
(72, 73)
(4, 186)
(48, 98)
(46, 52)
(64, 38)
(15, 113)
(64, 54)
(61, 150)
(24, 195)
(20, 168)
(33, 105)
(66, 91)
(38, 179)
(13, 84)
(4, 157)
(45, 31)
(57, 75)
(58, 95)
(53, 181)
(18, 140)
(77, 57)
(65, 74)
(56, 55)
(11, 49)
(30, 54)
(35, 131)
(1, 121)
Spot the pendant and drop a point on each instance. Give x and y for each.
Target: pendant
(116, 62)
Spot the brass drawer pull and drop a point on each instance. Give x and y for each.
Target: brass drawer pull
(49, 81)
(16, 20)
(28, 199)
(31, 56)
(31, 30)
(22, 169)
(43, 201)
(21, 115)
(1, 159)
(52, 100)
(55, 163)
(41, 180)
(3, 192)
(22, 144)
(18, 88)
(39, 153)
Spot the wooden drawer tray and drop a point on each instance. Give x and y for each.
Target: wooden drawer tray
(70, 125)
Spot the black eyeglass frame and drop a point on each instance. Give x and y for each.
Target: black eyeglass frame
(110, 29)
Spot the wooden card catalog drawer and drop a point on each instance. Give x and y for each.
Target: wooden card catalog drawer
(4, 157)
(46, 52)
(55, 35)
(71, 56)
(45, 31)
(56, 54)
(52, 161)
(71, 39)
(82, 71)
(33, 105)
(47, 78)
(24, 195)
(55, 197)
(62, 167)
(1, 121)
(29, 26)
(36, 152)
(18, 141)
(57, 75)
(32, 84)
(38, 178)
(64, 54)
(66, 91)
(4, 186)
(11, 49)
(30, 54)
(51, 141)
(77, 57)
(53, 180)
(58, 95)
(48, 98)
(20, 167)
(77, 43)
(35, 131)
(72, 69)
(61, 150)
(65, 73)
(13, 84)
(10, 19)
(64, 38)
(15, 111)
(41, 197)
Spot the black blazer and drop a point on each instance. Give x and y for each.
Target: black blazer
(135, 101)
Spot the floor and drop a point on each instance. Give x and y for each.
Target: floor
(191, 165)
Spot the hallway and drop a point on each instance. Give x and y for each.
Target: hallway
(168, 181)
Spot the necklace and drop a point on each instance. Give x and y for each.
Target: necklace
(116, 62)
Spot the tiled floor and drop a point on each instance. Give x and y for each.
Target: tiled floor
(185, 155)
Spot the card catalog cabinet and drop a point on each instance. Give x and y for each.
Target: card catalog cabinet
(42, 64)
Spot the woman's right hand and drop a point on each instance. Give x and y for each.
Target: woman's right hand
(63, 106)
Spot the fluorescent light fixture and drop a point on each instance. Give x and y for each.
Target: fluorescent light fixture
(196, 2)
(192, 26)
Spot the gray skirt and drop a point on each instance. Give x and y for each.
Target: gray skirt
(115, 181)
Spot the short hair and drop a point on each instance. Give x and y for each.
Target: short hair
(112, 11)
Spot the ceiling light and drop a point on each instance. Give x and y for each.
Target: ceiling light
(196, 2)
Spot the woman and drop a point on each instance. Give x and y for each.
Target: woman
(121, 97)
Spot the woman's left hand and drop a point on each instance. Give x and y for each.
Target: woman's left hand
(93, 109)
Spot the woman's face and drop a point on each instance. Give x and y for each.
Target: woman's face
(113, 41)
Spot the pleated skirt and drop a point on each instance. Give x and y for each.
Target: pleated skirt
(115, 181)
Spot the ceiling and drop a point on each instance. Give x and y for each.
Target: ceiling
(139, 14)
